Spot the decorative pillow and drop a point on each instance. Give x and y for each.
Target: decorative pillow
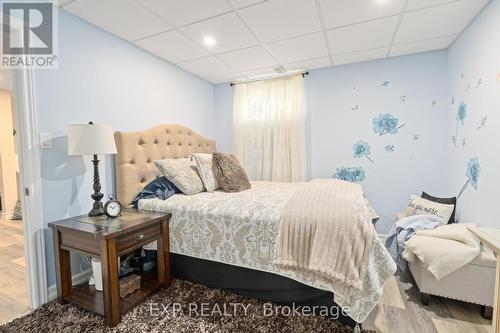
(206, 171)
(182, 172)
(229, 173)
(161, 188)
(420, 206)
(446, 201)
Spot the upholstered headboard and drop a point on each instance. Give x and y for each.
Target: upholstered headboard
(138, 150)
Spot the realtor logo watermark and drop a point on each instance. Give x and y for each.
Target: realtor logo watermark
(29, 34)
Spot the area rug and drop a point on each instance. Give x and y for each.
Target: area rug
(184, 307)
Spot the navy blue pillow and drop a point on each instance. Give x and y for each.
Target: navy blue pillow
(161, 188)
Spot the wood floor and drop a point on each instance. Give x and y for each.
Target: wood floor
(400, 310)
(13, 296)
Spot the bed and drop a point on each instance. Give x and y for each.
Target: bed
(227, 240)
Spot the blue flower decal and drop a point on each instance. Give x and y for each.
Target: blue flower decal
(462, 112)
(350, 174)
(385, 83)
(473, 172)
(361, 149)
(386, 123)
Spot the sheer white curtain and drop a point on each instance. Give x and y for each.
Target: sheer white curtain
(269, 129)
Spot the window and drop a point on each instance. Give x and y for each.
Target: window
(269, 122)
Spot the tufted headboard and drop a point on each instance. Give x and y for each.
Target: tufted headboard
(134, 165)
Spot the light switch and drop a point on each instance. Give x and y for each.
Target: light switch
(45, 140)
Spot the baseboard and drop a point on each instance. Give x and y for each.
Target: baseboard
(77, 279)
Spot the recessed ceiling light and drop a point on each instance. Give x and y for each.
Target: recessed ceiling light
(210, 41)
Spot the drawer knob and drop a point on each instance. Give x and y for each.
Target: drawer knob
(140, 237)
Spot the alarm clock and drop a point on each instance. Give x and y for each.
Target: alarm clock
(112, 208)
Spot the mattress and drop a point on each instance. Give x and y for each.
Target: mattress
(241, 229)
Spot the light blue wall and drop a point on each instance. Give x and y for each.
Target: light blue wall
(110, 81)
(474, 78)
(333, 127)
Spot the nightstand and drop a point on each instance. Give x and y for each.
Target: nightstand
(108, 239)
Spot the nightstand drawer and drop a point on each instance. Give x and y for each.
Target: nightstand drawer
(139, 238)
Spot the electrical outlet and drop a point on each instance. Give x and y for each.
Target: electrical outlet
(45, 140)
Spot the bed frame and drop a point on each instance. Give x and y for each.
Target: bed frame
(135, 169)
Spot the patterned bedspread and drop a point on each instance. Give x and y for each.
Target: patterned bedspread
(241, 229)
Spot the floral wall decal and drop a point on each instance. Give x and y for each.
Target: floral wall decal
(461, 115)
(386, 124)
(389, 148)
(355, 107)
(483, 122)
(462, 112)
(479, 82)
(434, 103)
(463, 142)
(468, 88)
(350, 174)
(403, 98)
(385, 83)
(362, 149)
(473, 172)
(416, 137)
(453, 101)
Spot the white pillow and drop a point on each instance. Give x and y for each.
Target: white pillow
(206, 171)
(421, 206)
(183, 173)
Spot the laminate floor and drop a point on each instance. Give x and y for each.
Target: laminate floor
(400, 310)
(13, 295)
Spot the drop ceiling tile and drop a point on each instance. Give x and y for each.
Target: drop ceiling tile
(250, 58)
(363, 36)
(226, 78)
(308, 64)
(445, 20)
(182, 12)
(263, 72)
(300, 48)
(360, 56)
(418, 4)
(344, 12)
(173, 47)
(124, 18)
(228, 31)
(280, 19)
(205, 67)
(422, 46)
(244, 3)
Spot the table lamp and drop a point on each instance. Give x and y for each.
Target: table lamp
(92, 139)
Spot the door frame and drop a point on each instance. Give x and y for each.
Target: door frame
(24, 105)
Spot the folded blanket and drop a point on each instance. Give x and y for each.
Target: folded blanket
(326, 229)
(402, 230)
(443, 250)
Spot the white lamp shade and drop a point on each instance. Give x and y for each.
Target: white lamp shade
(90, 139)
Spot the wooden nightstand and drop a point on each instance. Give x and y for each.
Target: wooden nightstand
(108, 239)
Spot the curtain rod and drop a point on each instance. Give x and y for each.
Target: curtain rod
(270, 78)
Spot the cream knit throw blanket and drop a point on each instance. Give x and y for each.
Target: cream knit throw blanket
(326, 229)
